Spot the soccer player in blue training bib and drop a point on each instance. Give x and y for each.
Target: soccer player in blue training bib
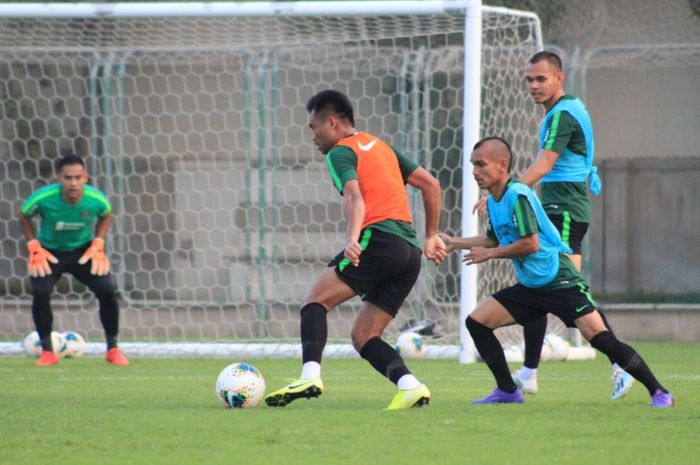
(75, 218)
(548, 282)
(565, 172)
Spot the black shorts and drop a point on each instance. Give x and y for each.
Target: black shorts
(389, 267)
(572, 232)
(528, 304)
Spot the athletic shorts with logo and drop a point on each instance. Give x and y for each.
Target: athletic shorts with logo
(389, 267)
(528, 304)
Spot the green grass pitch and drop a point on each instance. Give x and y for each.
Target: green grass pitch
(164, 411)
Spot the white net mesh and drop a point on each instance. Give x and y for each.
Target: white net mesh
(196, 130)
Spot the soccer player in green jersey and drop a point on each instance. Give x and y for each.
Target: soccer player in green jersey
(67, 242)
(564, 168)
(381, 259)
(548, 282)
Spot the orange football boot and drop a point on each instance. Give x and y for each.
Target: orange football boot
(115, 356)
(46, 359)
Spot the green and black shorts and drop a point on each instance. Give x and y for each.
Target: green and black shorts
(389, 267)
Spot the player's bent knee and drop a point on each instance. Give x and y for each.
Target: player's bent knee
(106, 292)
(474, 325)
(102, 286)
(603, 340)
(360, 338)
(41, 292)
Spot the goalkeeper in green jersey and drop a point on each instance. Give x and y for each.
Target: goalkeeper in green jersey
(67, 242)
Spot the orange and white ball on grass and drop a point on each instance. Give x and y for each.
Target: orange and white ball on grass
(240, 385)
(411, 345)
(32, 344)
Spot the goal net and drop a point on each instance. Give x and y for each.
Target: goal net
(195, 127)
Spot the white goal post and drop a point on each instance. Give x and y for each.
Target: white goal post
(191, 118)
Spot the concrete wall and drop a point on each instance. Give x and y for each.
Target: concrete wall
(642, 113)
(645, 228)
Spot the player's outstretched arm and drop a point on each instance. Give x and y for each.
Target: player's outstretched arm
(458, 243)
(434, 247)
(523, 246)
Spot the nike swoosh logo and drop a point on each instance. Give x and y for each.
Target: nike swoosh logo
(581, 308)
(367, 147)
(296, 386)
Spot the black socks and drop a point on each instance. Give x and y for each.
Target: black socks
(384, 359)
(492, 354)
(628, 359)
(314, 332)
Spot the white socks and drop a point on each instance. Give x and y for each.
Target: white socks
(407, 382)
(527, 373)
(311, 370)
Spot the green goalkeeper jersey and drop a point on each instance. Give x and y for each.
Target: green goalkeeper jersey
(65, 226)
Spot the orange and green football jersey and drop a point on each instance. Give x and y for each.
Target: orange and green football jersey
(382, 173)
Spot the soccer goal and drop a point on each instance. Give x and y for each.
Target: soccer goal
(191, 118)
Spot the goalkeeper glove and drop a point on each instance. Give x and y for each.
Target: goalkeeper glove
(39, 259)
(96, 253)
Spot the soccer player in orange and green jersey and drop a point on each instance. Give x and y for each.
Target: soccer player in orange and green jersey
(382, 257)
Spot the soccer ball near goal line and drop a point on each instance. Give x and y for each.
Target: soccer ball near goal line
(75, 344)
(32, 344)
(240, 385)
(411, 345)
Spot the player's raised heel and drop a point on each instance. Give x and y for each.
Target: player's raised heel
(417, 397)
(299, 389)
(527, 386)
(622, 383)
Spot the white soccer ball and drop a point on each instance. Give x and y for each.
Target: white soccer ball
(32, 344)
(558, 346)
(240, 385)
(546, 352)
(512, 352)
(411, 345)
(75, 344)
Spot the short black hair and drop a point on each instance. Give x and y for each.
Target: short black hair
(68, 160)
(501, 140)
(548, 56)
(334, 102)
